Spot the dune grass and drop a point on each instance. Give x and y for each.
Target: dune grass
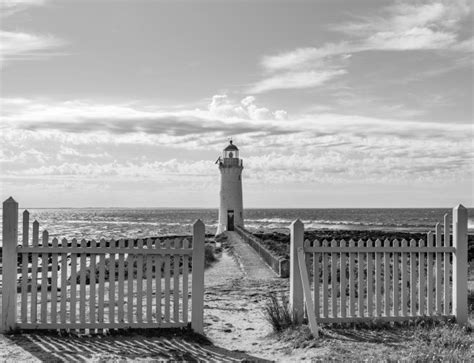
(423, 339)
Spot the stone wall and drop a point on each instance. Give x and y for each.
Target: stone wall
(278, 264)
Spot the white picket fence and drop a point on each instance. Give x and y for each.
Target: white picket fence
(390, 280)
(99, 285)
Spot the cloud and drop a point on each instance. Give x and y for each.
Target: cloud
(304, 57)
(295, 80)
(400, 27)
(9, 7)
(15, 45)
(81, 140)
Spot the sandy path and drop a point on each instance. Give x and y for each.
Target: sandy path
(236, 289)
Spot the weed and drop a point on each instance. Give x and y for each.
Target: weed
(278, 313)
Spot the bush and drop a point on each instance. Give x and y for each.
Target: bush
(209, 257)
(278, 313)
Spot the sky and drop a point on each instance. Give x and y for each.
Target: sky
(332, 103)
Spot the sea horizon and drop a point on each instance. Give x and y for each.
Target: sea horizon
(117, 222)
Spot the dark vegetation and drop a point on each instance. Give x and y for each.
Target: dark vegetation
(279, 243)
(278, 313)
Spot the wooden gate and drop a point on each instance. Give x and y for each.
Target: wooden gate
(390, 280)
(114, 284)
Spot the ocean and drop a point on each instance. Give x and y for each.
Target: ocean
(96, 223)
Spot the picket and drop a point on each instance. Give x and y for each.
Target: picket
(121, 283)
(44, 278)
(176, 274)
(352, 283)
(316, 273)
(422, 279)
(24, 268)
(325, 268)
(413, 279)
(429, 275)
(360, 279)
(438, 269)
(34, 273)
(370, 281)
(167, 282)
(82, 284)
(378, 279)
(386, 274)
(111, 302)
(54, 283)
(343, 283)
(63, 282)
(130, 269)
(185, 282)
(334, 287)
(446, 268)
(396, 282)
(92, 283)
(149, 281)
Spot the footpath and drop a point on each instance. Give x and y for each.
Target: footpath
(250, 262)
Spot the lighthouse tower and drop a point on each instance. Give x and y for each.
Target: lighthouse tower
(231, 206)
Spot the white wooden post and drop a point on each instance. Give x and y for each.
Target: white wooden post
(197, 297)
(9, 259)
(313, 325)
(460, 264)
(296, 286)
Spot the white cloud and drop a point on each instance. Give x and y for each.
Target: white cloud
(294, 80)
(9, 7)
(401, 27)
(14, 45)
(309, 57)
(117, 142)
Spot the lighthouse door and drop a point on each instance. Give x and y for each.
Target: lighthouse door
(230, 220)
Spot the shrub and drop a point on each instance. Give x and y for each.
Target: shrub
(209, 257)
(278, 313)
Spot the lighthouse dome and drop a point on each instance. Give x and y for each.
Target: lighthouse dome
(231, 147)
(231, 151)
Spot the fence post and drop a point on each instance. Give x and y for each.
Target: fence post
(296, 286)
(9, 260)
(460, 264)
(197, 303)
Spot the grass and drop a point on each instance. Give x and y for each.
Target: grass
(278, 313)
(422, 340)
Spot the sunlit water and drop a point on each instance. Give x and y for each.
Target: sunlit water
(140, 223)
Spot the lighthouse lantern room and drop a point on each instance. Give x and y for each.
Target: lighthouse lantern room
(231, 205)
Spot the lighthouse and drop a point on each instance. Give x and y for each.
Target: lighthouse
(231, 206)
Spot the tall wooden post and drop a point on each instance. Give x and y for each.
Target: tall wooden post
(460, 264)
(197, 303)
(296, 286)
(9, 259)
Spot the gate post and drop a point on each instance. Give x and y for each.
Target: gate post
(296, 286)
(9, 260)
(197, 297)
(460, 264)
